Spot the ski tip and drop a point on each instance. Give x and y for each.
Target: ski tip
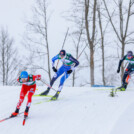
(23, 122)
(1, 121)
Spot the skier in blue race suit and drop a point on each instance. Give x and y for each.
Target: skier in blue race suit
(69, 65)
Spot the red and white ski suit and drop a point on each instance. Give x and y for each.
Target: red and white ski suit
(28, 87)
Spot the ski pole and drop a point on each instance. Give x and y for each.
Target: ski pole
(82, 52)
(63, 45)
(48, 85)
(65, 38)
(126, 65)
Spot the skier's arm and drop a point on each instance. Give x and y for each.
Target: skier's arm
(36, 77)
(120, 62)
(19, 80)
(71, 58)
(54, 59)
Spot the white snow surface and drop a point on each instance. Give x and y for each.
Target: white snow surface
(79, 110)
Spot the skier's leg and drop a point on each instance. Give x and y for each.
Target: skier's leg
(129, 75)
(30, 94)
(57, 74)
(127, 79)
(22, 96)
(64, 77)
(125, 76)
(124, 82)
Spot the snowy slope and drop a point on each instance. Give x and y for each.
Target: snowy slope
(78, 111)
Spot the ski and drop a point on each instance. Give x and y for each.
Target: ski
(38, 95)
(48, 100)
(112, 94)
(24, 120)
(114, 91)
(10, 117)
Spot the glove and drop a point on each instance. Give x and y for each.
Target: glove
(118, 70)
(69, 71)
(54, 69)
(38, 77)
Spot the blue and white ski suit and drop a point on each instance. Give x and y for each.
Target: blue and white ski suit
(69, 63)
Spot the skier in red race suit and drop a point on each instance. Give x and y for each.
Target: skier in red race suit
(28, 86)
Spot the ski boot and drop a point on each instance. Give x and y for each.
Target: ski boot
(26, 112)
(14, 114)
(123, 87)
(45, 92)
(55, 97)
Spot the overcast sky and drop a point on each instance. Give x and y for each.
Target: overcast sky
(15, 13)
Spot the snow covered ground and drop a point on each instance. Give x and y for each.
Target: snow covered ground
(78, 111)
